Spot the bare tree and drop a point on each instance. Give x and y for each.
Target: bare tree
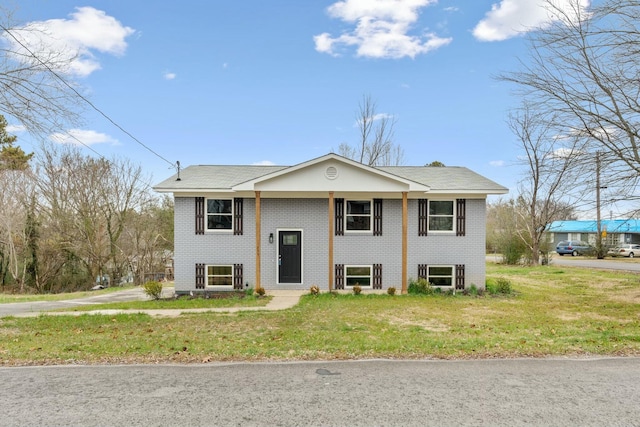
(550, 177)
(89, 202)
(33, 88)
(375, 146)
(584, 69)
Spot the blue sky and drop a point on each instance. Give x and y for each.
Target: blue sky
(279, 82)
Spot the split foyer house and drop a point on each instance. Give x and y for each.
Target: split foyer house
(330, 222)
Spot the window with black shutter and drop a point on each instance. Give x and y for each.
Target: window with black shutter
(460, 217)
(377, 276)
(199, 215)
(339, 276)
(237, 216)
(237, 277)
(460, 276)
(339, 213)
(200, 276)
(423, 217)
(377, 217)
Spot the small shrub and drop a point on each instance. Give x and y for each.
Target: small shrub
(391, 291)
(314, 290)
(357, 290)
(260, 291)
(153, 289)
(420, 286)
(249, 291)
(473, 290)
(503, 286)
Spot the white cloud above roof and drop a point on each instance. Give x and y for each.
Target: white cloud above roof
(83, 136)
(170, 76)
(382, 29)
(510, 18)
(88, 30)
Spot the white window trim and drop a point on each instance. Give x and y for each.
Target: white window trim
(453, 275)
(454, 217)
(206, 216)
(346, 215)
(208, 286)
(358, 266)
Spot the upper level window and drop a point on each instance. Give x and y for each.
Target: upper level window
(358, 217)
(441, 215)
(219, 214)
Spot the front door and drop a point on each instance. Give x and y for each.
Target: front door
(289, 256)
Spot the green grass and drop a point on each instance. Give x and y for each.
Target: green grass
(180, 303)
(554, 311)
(9, 298)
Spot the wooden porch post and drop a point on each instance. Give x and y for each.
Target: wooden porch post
(404, 242)
(331, 215)
(258, 240)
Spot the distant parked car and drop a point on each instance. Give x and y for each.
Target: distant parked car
(628, 250)
(573, 247)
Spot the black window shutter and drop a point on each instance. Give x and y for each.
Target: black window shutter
(423, 272)
(460, 217)
(237, 276)
(377, 217)
(237, 216)
(199, 215)
(339, 211)
(423, 217)
(460, 276)
(339, 276)
(377, 276)
(200, 276)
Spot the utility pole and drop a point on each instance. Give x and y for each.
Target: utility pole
(599, 248)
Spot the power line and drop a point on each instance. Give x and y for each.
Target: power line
(172, 164)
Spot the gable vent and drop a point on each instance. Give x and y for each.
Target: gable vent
(331, 172)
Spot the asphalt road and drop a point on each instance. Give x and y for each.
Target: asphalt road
(525, 392)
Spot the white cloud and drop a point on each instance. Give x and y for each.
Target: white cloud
(496, 163)
(170, 76)
(73, 41)
(510, 18)
(381, 29)
(15, 128)
(81, 136)
(264, 163)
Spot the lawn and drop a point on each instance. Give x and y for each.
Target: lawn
(554, 311)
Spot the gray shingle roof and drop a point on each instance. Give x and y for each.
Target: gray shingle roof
(224, 177)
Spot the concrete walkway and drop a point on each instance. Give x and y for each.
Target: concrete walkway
(281, 300)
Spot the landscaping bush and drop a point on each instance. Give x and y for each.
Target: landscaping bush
(503, 286)
(499, 286)
(314, 290)
(420, 286)
(260, 291)
(357, 290)
(391, 291)
(153, 289)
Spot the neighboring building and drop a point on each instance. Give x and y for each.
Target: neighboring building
(615, 231)
(330, 222)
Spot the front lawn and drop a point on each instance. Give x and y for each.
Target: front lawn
(554, 311)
